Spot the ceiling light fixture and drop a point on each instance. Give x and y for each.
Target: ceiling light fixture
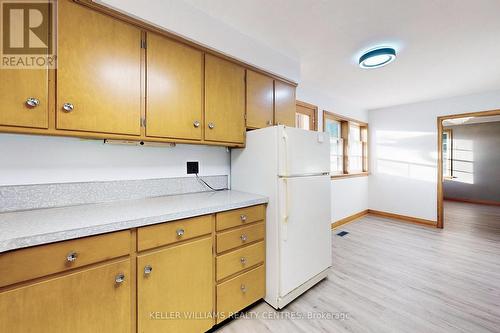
(378, 57)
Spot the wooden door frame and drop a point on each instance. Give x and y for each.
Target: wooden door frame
(440, 208)
(314, 112)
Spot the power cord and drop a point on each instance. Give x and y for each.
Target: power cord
(210, 187)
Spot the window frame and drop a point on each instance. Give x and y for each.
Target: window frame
(309, 110)
(449, 158)
(345, 123)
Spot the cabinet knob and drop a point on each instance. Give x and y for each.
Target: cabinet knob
(211, 125)
(243, 238)
(243, 218)
(119, 278)
(243, 288)
(71, 256)
(243, 260)
(148, 269)
(196, 124)
(68, 107)
(179, 232)
(269, 123)
(32, 102)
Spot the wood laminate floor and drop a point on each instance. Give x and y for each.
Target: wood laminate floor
(390, 276)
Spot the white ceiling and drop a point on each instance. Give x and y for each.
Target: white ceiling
(446, 47)
(470, 120)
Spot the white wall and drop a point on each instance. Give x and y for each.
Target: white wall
(42, 159)
(349, 195)
(476, 157)
(183, 19)
(403, 150)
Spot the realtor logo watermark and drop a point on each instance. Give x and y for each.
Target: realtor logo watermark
(28, 34)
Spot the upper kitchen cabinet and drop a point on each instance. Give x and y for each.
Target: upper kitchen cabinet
(284, 104)
(99, 72)
(259, 100)
(174, 89)
(24, 96)
(224, 101)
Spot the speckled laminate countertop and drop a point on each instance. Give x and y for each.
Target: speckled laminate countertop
(41, 226)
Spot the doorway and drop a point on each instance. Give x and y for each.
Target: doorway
(446, 148)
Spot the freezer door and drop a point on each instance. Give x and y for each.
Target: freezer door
(302, 152)
(305, 230)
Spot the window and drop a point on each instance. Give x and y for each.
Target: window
(348, 145)
(447, 153)
(305, 116)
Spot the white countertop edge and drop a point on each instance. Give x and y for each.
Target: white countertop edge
(57, 236)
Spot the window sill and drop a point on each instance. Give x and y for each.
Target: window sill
(350, 175)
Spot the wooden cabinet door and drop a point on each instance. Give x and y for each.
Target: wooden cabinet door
(259, 100)
(16, 87)
(81, 302)
(99, 72)
(224, 101)
(284, 104)
(179, 285)
(174, 89)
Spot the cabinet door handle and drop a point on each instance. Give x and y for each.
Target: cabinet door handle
(120, 278)
(148, 269)
(71, 257)
(211, 125)
(68, 107)
(196, 124)
(269, 123)
(243, 288)
(243, 218)
(179, 232)
(32, 102)
(243, 260)
(243, 238)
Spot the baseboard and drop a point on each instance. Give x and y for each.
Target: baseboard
(403, 218)
(348, 219)
(473, 201)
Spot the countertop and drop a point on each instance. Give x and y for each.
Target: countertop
(41, 226)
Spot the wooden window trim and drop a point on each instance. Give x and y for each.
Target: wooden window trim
(312, 112)
(344, 122)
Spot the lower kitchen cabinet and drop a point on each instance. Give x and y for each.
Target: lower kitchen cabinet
(166, 277)
(92, 300)
(175, 288)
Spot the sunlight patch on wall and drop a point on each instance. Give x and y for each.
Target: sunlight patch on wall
(405, 162)
(463, 161)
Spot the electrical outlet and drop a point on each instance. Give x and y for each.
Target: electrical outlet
(192, 167)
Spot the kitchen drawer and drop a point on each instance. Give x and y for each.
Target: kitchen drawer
(237, 237)
(238, 217)
(171, 232)
(239, 292)
(37, 261)
(236, 261)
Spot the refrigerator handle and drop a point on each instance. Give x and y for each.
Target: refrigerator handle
(286, 211)
(285, 153)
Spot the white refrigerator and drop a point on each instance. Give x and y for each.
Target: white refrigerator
(291, 166)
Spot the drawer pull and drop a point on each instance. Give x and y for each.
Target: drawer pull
(243, 218)
(243, 288)
(196, 124)
(180, 232)
(243, 260)
(71, 256)
(148, 269)
(211, 125)
(243, 238)
(68, 107)
(120, 278)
